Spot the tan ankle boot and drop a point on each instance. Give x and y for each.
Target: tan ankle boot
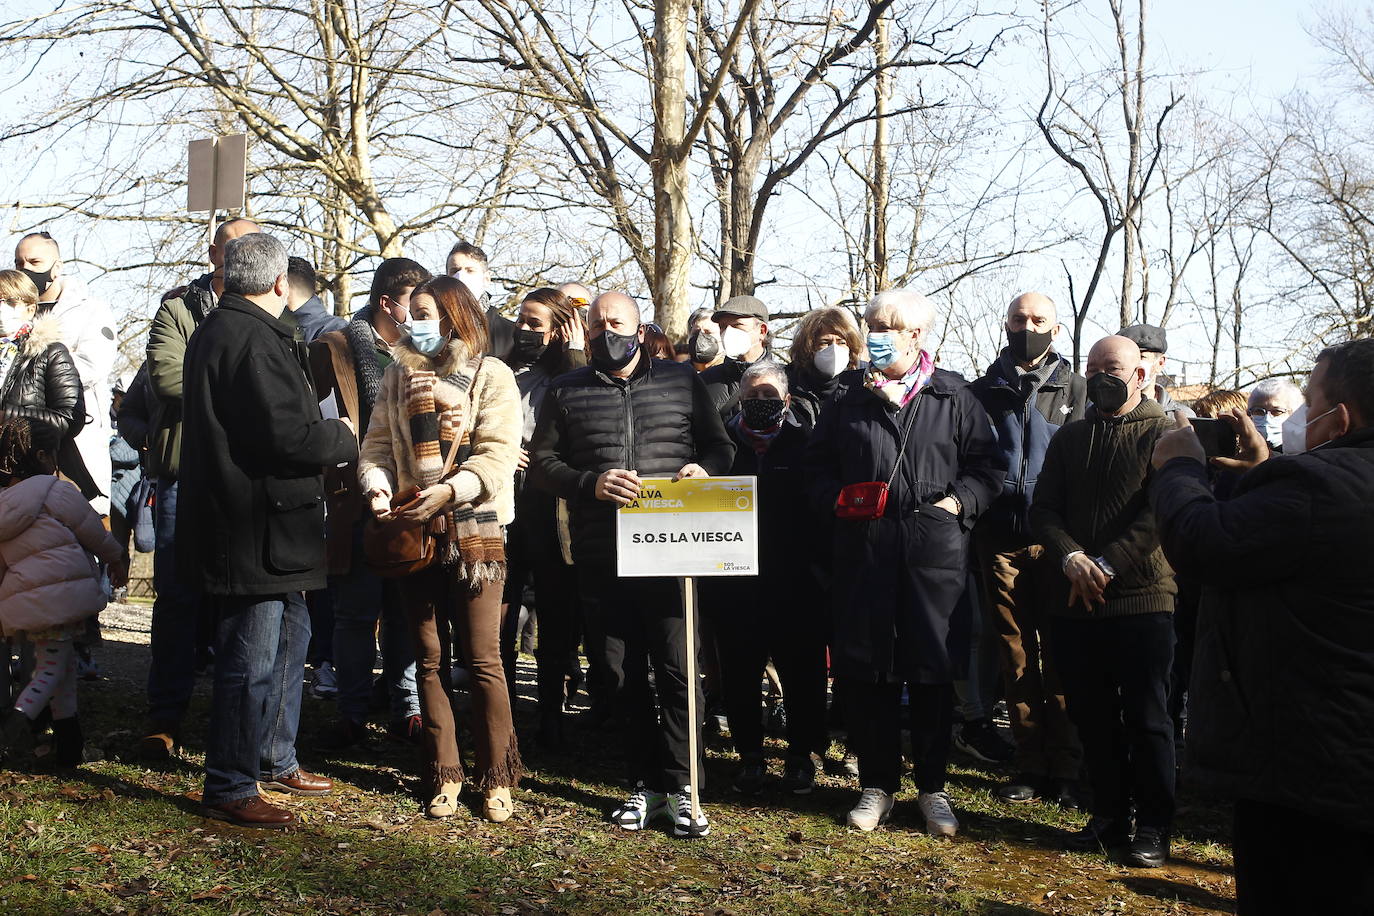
(498, 806)
(446, 802)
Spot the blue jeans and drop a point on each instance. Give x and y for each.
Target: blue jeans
(172, 661)
(256, 706)
(361, 598)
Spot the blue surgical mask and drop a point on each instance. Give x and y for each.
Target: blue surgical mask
(425, 336)
(882, 351)
(1269, 427)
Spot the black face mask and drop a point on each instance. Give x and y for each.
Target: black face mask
(529, 346)
(705, 347)
(761, 413)
(41, 280)
(1108, 393)
(1028, 346)
(611, 351)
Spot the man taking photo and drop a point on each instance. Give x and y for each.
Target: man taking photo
(1281, 707)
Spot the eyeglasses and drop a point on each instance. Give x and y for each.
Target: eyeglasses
(578, 301)
(1272, 411)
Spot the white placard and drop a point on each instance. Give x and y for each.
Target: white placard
(706, 526)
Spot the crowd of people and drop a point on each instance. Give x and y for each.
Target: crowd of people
(420, 480)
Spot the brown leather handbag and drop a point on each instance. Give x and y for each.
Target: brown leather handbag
(395, 548)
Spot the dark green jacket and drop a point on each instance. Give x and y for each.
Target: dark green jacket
(172, 327)
(1091, 497)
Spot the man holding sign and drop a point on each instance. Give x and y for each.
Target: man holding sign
(601, 430)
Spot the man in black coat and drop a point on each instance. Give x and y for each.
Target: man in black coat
(743, 323)
(252, 532)
(1112, 624)
(602, 429)
(1281, 705)
(1029, 392)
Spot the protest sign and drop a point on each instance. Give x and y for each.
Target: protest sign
(707, 526)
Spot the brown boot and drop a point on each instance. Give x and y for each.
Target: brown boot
(299, 783)
(157, 745)
(252, 812)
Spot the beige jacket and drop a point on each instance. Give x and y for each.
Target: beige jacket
(487, 477)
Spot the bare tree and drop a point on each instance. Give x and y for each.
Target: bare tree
(338, 99)
(1115, 166)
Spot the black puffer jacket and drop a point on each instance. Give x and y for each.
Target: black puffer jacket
(653, 423)
(1281, 706)
(43, 384)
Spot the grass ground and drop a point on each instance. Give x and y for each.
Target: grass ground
(117, 837)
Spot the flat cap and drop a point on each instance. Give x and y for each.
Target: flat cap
(741, 307)
(1147, 337)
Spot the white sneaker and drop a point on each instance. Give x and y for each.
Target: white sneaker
(325, 683)
(684, 824)
(874, 808)
(939, 814)
(639, 809)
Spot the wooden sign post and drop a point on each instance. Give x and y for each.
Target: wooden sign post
(706, 526)
(216, 175)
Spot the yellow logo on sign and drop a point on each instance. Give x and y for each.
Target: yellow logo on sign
(661, 494)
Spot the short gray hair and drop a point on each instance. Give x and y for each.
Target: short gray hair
(252, 263)
(1277, 387)
(912, 309)
(765, 370)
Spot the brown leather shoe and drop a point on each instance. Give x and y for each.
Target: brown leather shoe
(156, 747)
(299, 783)
(252, 812)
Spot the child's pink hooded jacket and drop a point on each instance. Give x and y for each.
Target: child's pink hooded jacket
(47, 578)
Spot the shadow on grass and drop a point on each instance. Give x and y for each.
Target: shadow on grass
(126, 789)
(1166, 890)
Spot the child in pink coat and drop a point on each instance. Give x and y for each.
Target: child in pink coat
(49, 583)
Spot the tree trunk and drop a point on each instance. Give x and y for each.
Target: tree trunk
(743, 180)
(882, 91)
(672, 216)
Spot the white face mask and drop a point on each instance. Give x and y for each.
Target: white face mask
(831, 360)
(1270, 429)
(1295, 430)
(735, 342)
(12, 318)
(474, 281)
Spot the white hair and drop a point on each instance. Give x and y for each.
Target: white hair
(911, 309)
(252, 264)
(1281, 388)
(765, 370)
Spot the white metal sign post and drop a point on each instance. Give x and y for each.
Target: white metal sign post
(706, 526)
(216, 175)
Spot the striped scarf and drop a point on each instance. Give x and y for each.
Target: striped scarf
(473, 541)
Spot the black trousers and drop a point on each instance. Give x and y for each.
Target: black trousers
(1115, 672)
(756, 619)
(873, 713)
(633, 624)
(1290, 861)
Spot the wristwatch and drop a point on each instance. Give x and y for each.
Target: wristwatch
(1106, 567)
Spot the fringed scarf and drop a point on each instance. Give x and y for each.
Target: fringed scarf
(474, 544)
(895, 392)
